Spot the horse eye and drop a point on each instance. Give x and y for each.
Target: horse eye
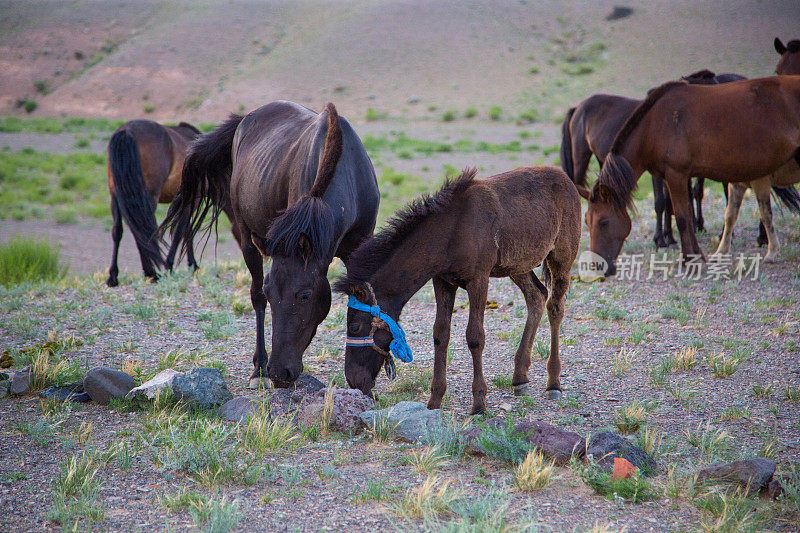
(303, 296)
(355, 328)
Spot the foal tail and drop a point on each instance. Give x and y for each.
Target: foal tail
(788, 197)
(131, 196)
(205, 183)
(566, 147)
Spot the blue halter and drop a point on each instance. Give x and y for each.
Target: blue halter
(399, 347)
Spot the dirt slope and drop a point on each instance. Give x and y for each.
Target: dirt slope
(201, 60)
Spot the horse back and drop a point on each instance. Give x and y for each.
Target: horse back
(600, 117)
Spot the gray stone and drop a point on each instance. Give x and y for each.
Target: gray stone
(412, 421)
(73, 392)
(287, 400)
(237, 408)
(150, 389)
(201, 387)
(754, 474)
(348, 404)
(5, 385)
(21, 381)
(555, 443)
(606, 445)
(103, 383)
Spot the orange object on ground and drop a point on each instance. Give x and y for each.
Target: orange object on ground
(623, 469)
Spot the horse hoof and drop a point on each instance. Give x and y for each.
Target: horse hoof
(112, 282)
(770, 258)
(553, 394)
(478, 410)
(259, 383)
(521, 389)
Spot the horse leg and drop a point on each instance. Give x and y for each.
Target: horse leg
(255, 264)
(699, 191)
(445, 299)
(559, 276)
(191, 262)
(535, 294)
(762, 235)
(581, 156)
(762, 189)
(116, 236)
(658, 206)
(668, 238)
(735, 195)
(681, 206)
(477, 290)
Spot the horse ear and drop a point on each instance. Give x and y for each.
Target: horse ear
(584, 192)
(306, 249)
(779, 47)
(260, 243)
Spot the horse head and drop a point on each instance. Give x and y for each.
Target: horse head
(789, 63)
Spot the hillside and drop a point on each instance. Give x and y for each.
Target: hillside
(410, 59)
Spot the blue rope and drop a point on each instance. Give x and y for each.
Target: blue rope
(399, 347)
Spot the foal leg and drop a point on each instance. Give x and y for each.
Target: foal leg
(535, 294)
(255, 264)
(762, 189)
(668, 236)
(735, 195)
(559, 274)
(476, 339)
(445, 299)
(116, 236)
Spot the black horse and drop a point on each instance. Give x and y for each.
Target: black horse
(302, 190)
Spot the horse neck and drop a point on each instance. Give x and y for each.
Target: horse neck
(405, 272)
(634, 151)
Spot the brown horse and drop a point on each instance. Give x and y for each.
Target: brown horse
(469, 231)
(302, 190)
(589, 129)
(789, 63)
(144, 168)
(728, 132)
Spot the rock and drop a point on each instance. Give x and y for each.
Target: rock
(149, 389)
(555, 443)
(103, 383)
(606, 445)
(5, 385)
(6, 361)
(773, 490)
(201, 387)
(237, 408)
(753, 473)
(348, 404)
(412, 421)
(283, 401)
(73, 392)
(21, 381)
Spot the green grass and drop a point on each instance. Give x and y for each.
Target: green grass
(25, 259)
(10, 124)
(34, 184)
(634, 489)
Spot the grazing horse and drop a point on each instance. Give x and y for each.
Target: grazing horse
(144, 168)
(467, 232)
(589, 129)
(302, 190)
(789, 63)
(728, 132)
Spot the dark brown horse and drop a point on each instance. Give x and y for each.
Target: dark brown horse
(469, 231)
(302, 190)
(789, 63)
(728, 132)
(144, 168)
(589, 129)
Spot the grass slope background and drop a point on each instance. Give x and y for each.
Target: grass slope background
(202, 60)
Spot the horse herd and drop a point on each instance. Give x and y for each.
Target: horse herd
(299, 188)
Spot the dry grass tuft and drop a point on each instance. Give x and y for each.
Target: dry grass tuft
(534, 473)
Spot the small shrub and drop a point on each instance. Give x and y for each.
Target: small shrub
(724, 366)
(470, 112)
(534, 472)
(708, 440)
(449, 115)
(372, 115)
(25, 259)
(686, 358)
(29, 106)
(374, 491)
(630, 418)
(429, 459)
(634, 489)
(65, 215)
(763, 391)
(262, 434)
(622, 361)
(431, 499)
(495, 112)
(41, 86)
(74, 491)
(792, 392)
(148, 108)
(503, 382)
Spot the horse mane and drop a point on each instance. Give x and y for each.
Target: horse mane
(699, 75)
(310, 215)
(638, 114)
(615, 184)
(189, 126)
(793, 46)
(374, 252)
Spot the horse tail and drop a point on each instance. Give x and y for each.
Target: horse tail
(331, 154)
(205, 182)
(132, 198)
(788, 197)
(566, 147)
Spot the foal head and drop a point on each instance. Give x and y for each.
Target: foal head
(789, 63)
(607, 215)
